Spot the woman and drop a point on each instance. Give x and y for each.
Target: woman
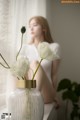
(47, 74)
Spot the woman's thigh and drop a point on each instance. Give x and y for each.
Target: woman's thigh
(43, 83)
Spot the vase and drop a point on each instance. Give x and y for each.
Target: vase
(26, 102)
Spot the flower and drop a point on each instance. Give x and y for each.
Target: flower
(21, 66)
(46, 51)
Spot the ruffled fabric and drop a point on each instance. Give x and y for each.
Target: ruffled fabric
(55, 47)
(31, 52)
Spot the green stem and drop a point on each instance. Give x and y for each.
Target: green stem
(20, 47)
(36, 69)
(8, 67)
(4, 66)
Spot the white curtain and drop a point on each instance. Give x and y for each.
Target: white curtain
(4, 47)
(13, 15)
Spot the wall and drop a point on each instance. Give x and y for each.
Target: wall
(64, 20)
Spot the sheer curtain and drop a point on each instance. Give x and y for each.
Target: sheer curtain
(13, 15)
(4, 47)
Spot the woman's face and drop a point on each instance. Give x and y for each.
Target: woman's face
(35, 29)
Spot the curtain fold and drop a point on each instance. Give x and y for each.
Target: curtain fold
(4, 48)
(13, 15)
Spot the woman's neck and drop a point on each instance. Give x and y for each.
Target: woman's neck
(37, 41)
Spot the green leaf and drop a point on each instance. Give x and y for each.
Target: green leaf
(74, 85)
(64, 84)
(75, 113)
(77, 90)
(76, 106)
(72, 115)
(70, 95)
(65, 95)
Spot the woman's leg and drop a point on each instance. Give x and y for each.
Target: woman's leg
(43, 83)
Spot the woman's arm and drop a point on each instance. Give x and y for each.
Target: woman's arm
(54, 72)
(54, 75)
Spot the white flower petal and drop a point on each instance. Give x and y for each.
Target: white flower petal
(20, 67)
(46, 51)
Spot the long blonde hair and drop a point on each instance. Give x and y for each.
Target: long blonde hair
(43, 22)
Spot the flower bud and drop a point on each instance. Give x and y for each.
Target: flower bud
(23, 29)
